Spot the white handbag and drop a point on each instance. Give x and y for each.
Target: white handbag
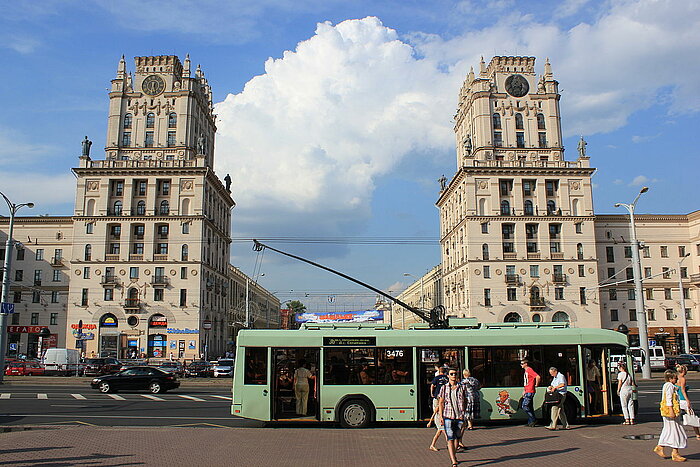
(691, 419)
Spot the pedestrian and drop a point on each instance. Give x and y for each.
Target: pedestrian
(301, 387)
(532, 380)
(439, 427)
(672, 435)
(452, 399)
(683, 398)
(593, 385)
(558, 385)
(625, 388)
(472, 409)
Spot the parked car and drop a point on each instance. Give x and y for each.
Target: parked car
(61, 361)
(24, 369)
(685, 359)
(175, 368)
(223, 368)
(101, 366)
(137, 378)
(657, 357)
(126, 364)
(199, 369)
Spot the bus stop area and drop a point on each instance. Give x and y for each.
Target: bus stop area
(315, 446)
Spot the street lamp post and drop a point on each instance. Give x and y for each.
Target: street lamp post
(686, 338)
(639, 295)
(6, 279)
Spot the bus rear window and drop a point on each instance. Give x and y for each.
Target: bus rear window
(255, 365)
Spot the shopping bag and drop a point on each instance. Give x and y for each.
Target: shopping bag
(691, 419)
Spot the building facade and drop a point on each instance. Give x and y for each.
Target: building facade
(425, 294)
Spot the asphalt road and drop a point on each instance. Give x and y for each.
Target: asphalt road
(195, 403)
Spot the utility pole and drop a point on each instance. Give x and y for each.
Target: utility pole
(686, 338)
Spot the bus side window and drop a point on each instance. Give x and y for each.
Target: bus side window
(255, 365)
(394, 365)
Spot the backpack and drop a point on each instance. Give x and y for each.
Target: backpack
(439, 382)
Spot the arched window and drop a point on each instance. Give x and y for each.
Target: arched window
(185, 210)
(88, 252)
(172, 120)
(505, 208)
(534, 292)
(164, 207)
(496, 121)
(127, 121)
(185, 253)
(579, 250)
(536, 318)
(134, 293)
(482, 206)
(518, 121)
(540, 122)
(574, 207)
(528, 208)
(90, 211)
(551, 207)
(485, 251)
(512, 318)
(117, 208)
(150, 120)
(560, 317)
(141, 208)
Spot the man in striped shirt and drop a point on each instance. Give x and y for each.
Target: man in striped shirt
(451, 400)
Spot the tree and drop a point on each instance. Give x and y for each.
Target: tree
(295, 307)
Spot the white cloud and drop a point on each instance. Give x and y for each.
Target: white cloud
(16, 150)
(46, 191)
(637, 139)
(569, 7)
(618, 181)
(641, 180)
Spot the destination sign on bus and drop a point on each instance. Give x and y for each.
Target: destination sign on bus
(349, 341)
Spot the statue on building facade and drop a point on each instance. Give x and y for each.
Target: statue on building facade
(468, 145)
(201, 144)
(227, 179)
(582, 147)
(443, 182)
(86, 147)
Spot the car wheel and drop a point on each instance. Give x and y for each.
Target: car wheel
(104, 387)
(155, 387)
(355, 414)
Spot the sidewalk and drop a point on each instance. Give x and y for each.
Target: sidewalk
(208, 446)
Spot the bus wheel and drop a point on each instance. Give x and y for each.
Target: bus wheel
(355, 414)
(571, 409)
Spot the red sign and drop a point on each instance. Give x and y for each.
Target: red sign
(85, 326)
(25, 329)
(50, 342)
(159, 323)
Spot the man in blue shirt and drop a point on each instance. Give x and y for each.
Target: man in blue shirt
(559, 385)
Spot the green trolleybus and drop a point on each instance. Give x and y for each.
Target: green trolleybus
(368, 373)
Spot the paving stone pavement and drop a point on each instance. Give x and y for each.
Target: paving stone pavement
(326, 446)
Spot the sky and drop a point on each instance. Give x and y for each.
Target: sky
(335, 118)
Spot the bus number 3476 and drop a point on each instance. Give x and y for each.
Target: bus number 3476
(394, 353)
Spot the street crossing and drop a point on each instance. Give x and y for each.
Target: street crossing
(113, 397)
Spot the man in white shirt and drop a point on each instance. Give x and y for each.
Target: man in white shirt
(559, 385)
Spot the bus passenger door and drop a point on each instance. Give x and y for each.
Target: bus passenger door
(428, 360)
(252, 398)
(598, 381)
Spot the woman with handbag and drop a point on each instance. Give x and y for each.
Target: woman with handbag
(672, 435)
(624, 391)
(689, 418)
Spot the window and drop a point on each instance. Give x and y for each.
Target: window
(185, 253)
(109, 294)
(485, 227)
(582, 295)
(559, 293)
(651, 314)
(139, 231)
(629, 273)
(518, 121)
(54, 296)
(520, 139)
(498, 139)
(36, 296)
(183, 272)
(540, 122)
(84, 298)
(531, 237)
(496, 121)
(667, 294)
(183, 297)
(613, 315)
(505, 208)
(554, 236)
(162, 249)
(688, 314)
(612, 293)
(669, 314)
(117, 208)
(114, 248)
(148, 141)
(137, 249)
(255, 365)
(126, 139)
(141, 186)
(158, 295)
(487, 297)
(171, 139)
(628, 252)
(534, 271)
(579, 227)
(560, 317)
(649, 293)
(551, 207)
(512, 318)
(542, 139)
(118, 187)
(89, 227)
(609, 254)
(508, 235)
(172, 120)
(164, 207)
(88, 252)
(487, 272)
(581, 270)
(163, 231)
(684, 272)
(186, 228)
(20, 254)
(19, 275)
(528, 208)
(127, 121)
(512, 294)
(53, 320)
(35, 319)
(37, 277)
(611, 272)
(17, 297)
(666, 273)
(150, 120)
(505, 186)
(647, 272)
(141, 208)
(579, 250)
(133, 273)
(645, 252)
(550, 187)
(686, 293)
(15, 318)
(484, 251)
(664, 252)
(164, 187)
(39, 254)
(631, 294)
(380, 366)
(528, 187)
(633, 315)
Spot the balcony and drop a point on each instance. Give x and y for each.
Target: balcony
(57, 262)
(559, 278)
(132, 304)
(557, 255)
(537, 304)
(533, 255)
(112, 257)
(37, 281)
(695, 279)
(159, 281)
(135, 257)
(160, 257)
(510, 256)
(512, 279)
(109, 281)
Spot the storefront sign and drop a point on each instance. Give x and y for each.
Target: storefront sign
(83, 335)
(340, 316)
(349, 341)
(25, 329)
(159, 323)
(182, 331)
(85, 326)
(109, 321)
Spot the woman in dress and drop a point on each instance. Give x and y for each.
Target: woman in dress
(624, 391)
(302, 375)
(672, 435)
(473, 408)
(683, 398)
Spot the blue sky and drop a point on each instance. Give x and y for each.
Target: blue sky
(335, 117)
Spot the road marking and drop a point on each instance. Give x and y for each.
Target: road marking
(148, 396)
(221, 397)
(117, 416)
(79, 397)
(4, 395)
(116, 397)
(42, 396)
(191, 398)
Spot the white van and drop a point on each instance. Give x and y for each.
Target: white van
(61, 361)
(657, 357)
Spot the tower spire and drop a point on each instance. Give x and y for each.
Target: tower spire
(482, 67)
(470, 76)
(547, 69)
(186, 68)
(121, 68)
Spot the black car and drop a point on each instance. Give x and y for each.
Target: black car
(689, 361)
(199, 369)
(137, 378)
(101, 366)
